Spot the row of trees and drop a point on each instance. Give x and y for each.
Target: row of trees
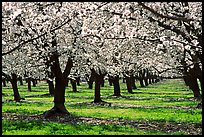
(60, 40)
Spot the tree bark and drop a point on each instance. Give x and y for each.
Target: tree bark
(51, 87)
(98, 78)
(110, 81)
(13, 81)
(21, 81)
(129, 84)
(34, 82)
(29, 84)
(102, 83)
(4, 82)
(141, 82)
(78, 81)
(133, 82)
(60, 85)
(73, 83)
(90, 81)
(116, 86)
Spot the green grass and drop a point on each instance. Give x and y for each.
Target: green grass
(53, 128)
(160, 94)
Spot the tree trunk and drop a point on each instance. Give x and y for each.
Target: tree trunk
(78, 81)
(141, 82)
(129, 84)
(29, 84)
(133, 83)
(4, 82)
(13, 81)
(150, 80)
(146, 81)
(51, 87)
(60, 84)
(34, 82)
(74, 87)
(102, 83)
(110, 81)
(116, 86)
(98, 78)
(67, 82)
(90, 83)
(123, 80)
(97, 94)
(21, 81)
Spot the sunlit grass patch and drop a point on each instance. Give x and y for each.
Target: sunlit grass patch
(23, 127)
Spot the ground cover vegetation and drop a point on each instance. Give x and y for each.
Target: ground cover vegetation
(129, 114)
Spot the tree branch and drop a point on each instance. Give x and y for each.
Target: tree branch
(164, 16)
(23, 43)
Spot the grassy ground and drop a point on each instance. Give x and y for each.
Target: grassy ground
(164, 108)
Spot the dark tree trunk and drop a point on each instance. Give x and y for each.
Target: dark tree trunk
(150, 81)
(146, 81)
(110, 80)
(4, 82)
(78, 81)
(51, 87)
(133, 83)
(123, 80)
(15, 88)
(29, 84)
(60, 85)
(116, 86)
(102, 83)
(34, 82)
(90, 81)
(67, 82)
(97, 94)
(129, 84)
(141, 82)
(21, 81)
(74, 87)
(98, 78)
(194, 87)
